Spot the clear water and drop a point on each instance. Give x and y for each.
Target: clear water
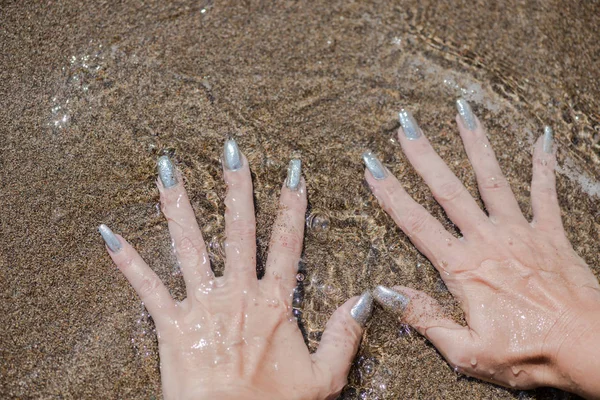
(93, 94)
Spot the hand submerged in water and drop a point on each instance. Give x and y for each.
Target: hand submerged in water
(531, 304)
(235, 337)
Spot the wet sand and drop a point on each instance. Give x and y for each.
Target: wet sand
(93, 93)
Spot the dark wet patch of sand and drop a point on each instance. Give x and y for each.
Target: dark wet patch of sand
(319, 80)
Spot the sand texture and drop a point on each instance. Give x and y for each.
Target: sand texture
(92, 93)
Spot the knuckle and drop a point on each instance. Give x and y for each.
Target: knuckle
(415, 222)
(449, 191)
(241, 227)
(288, 243)
(494, 182)
(148, 286)
(186, 247)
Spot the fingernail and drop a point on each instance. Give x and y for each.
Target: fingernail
(374, 165)
(409, 125)
(361, 312)
(466, 114)
(548, 139)
(109, 237)
(166, 172)
(231, 155)
(390, 300)
(293, 174)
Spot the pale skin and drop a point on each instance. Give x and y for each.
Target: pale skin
(531, 304)
(235, 337)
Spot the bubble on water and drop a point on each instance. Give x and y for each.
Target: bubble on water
(82, 77)
(317, 221)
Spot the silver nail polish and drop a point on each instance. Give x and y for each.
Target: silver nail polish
(466, 114)
(409, 125)
(548, 139)
(109, 237)
(231, 155)
(293, 174)
(166, 172)
(361, 312)
(390, 300)
(374, 165)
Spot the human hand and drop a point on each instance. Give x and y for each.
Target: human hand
(235, 337)
(531, 304)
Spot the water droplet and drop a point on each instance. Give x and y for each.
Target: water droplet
(317, 222)
(473, 362)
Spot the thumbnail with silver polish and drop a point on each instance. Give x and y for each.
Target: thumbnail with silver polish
(409, 125)
(548, 139)
(466, 114)
(110, 239)
(166, 172)
(374, 165)
(390, 300)
(231, 155)
(361, 312)
(293, 174)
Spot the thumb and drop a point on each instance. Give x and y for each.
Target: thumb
(340, 341)
(455, 342)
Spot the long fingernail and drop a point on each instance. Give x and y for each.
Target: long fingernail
(466, 114)
(293, 174)
(374, 165)
(166, 172)
(390, 300)
(409, 125)
(361, 312)
(231, 155)
(109, 237)
(548, 139)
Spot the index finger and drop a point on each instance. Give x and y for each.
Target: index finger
(423, 230)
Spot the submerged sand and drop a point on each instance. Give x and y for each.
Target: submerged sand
(94, 92)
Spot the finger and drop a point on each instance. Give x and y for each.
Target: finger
(423, 230)
(144, 281)
(240, 222)
(495, 191)
(544, 200)
(288, 233)
(340, 340)
(445, 186)
(458, 344)
(187, 238)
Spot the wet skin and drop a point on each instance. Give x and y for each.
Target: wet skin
(235, 337)
(531, 304)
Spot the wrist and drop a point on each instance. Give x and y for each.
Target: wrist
(576, 356)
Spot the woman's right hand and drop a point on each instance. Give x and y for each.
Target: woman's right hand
(531, 304)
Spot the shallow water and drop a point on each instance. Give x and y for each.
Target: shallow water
(93, 94)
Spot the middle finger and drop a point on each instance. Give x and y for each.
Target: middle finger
(240, 222)
(447, 189)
